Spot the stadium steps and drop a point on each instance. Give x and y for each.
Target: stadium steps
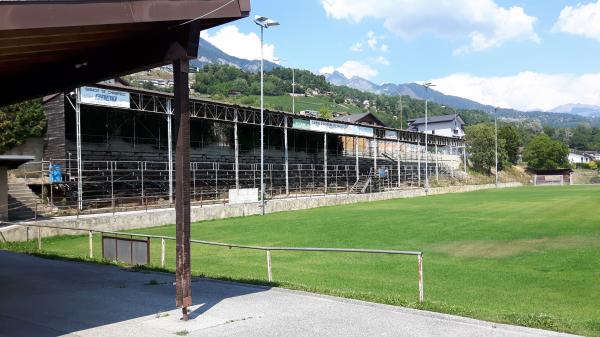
(21, 202)
(361, 185)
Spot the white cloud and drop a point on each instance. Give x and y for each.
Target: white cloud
(583, 20)
(235, 43)
(483, 22)
(373, 41)
(351, 68)
(357, 47)
(382, 60)
(525, 90)
(327, 70)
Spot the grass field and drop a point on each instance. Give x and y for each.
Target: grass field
(528, 256)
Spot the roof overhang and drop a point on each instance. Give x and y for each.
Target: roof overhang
(12, 162)
(51, 46)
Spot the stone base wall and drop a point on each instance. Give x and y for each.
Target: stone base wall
(161, 217)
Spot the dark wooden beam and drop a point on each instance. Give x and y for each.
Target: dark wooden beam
(182, 187)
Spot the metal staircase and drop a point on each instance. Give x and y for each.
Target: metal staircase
(361, 185)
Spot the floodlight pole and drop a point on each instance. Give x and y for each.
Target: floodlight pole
(401, 112)
(496, 137)
(427, 86)
(170, 148)
(79, 163)
(263, 22)
(262, 124)
(293, 91)
(286, 155)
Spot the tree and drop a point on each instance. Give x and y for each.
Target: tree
(582, 136)
(544, 152)
(325, 113)
(241, 85)
(512, 142)
(19, 122)
(481, 142)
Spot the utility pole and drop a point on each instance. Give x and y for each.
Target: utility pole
(427, 86)
(293, 91)
(401, 113)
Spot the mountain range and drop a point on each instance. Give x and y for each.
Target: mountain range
(570, 114)
(585, 110)
(417, 91)
(209, 54)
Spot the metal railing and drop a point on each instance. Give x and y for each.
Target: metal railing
(267, 249)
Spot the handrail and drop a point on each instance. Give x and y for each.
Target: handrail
(267, 249)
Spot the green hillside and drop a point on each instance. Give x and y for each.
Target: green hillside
(284, 103)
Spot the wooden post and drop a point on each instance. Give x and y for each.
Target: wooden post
(162, 253)
(269, 267)
(39, 238)
(421, 293)
(90, 245)
(182, 188)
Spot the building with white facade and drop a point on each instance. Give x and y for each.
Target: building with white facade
(576, 158)
(447, 125)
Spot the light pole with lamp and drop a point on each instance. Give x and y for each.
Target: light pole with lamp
(427, 85)
(293, 86)
(496, 140)
(263, 22)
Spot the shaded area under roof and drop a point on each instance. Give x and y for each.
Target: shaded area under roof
(51, 46)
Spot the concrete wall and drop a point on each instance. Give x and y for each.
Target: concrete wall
(151, 218)
(31, 147)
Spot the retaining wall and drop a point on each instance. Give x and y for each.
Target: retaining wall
(160, 217)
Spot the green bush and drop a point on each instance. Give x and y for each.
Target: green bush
(544, 152)
(19, 122)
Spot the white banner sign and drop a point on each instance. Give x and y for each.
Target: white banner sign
(331, 127)
(389, 134)
(243, 195)
(107, 97)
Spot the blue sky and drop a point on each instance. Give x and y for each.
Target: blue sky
(527, 54)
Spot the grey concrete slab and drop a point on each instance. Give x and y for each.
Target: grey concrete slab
(41, 297)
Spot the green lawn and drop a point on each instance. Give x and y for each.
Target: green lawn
(528, 256)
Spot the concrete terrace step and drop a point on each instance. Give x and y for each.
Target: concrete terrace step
(22, 202)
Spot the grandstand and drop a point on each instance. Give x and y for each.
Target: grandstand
(124, 151)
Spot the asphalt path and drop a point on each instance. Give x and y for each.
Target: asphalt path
(41, 297)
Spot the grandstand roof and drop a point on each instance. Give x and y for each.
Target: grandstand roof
(56, 45)
(14, 161)
(406, 135)
(559, 171)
